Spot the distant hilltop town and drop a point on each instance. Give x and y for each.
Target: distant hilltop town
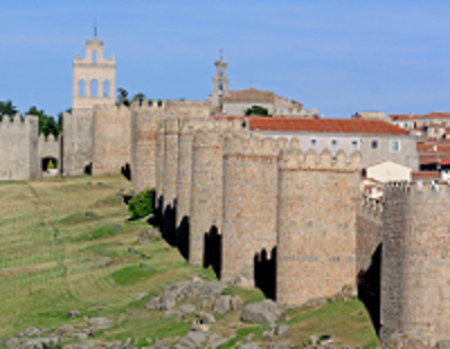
(248, 180)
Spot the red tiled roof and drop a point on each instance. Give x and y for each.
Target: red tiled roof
(229, 117)
(325, 125)
(425, 175)
(431, 115)
(250, 95)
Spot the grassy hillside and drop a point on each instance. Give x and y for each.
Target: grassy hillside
(53, 234)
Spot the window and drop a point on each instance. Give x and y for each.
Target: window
(313, 142)
(81, 86)
(395, 146)
(354, 144)
(106, 88)
(94, 56)
(334, 143)
(374, 144)
(94, 88)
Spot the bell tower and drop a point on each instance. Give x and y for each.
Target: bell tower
(94, 77)
(220, 82)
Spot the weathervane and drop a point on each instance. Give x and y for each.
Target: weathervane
(221, 54)
(95, 28)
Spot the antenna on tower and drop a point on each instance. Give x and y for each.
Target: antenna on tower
(221, 54)
(95, 28)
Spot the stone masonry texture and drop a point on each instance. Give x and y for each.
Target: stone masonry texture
(207, 191)
(112, 139)
(250, 201)
(317, 225)
(415, 294)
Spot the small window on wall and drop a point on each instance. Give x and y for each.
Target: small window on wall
(313, 142)
(374, 144)
(334, 143)
(94, 88)
(395, 146)
(106, 88)
(81, 86)
(354, 144)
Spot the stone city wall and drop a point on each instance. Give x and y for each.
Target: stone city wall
(77, 142)
(316, 224)
(415, 294)
(369, 227)
(48, 147)
(144, 128)
(111, 139)
(19, 148)
(250, 201)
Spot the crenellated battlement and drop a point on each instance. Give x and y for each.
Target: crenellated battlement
(102, 109)
(49, 139)
(293, 158)
(17, 120)
(416, 187)
(253, 144)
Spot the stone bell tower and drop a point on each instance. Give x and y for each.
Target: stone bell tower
(220, 83)
(94, 77)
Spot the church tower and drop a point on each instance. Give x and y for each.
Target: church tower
(94, 77)
(220, 83)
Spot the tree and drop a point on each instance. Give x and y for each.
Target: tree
(257, 110)
(47, 124)
(139, 96)
(7, 108)
(122, 97)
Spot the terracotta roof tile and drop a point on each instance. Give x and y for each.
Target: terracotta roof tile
(357, 126)
(425, 175)
(250, 95)
(431, 115)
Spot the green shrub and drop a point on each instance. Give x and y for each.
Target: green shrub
(141, 205)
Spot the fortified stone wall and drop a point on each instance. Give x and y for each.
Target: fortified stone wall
(415, 299)
(49, 147)
(112, 139)
(207, 190)
(187, 109)
(316, 224)
(250, 201)
(369, 227)
(188, 129)
(77, 142)
(144, 127)
(18, 148)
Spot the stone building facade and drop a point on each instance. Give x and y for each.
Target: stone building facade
(94, 84)
(377, 140)
(235, 102)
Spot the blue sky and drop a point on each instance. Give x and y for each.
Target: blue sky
(338, 56)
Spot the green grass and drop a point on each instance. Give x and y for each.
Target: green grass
(49, 250)
(130, 275)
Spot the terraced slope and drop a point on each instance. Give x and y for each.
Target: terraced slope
(55, 233)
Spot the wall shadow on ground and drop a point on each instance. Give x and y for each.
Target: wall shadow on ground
(265, 272)
(369, 291)
(212, 252)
